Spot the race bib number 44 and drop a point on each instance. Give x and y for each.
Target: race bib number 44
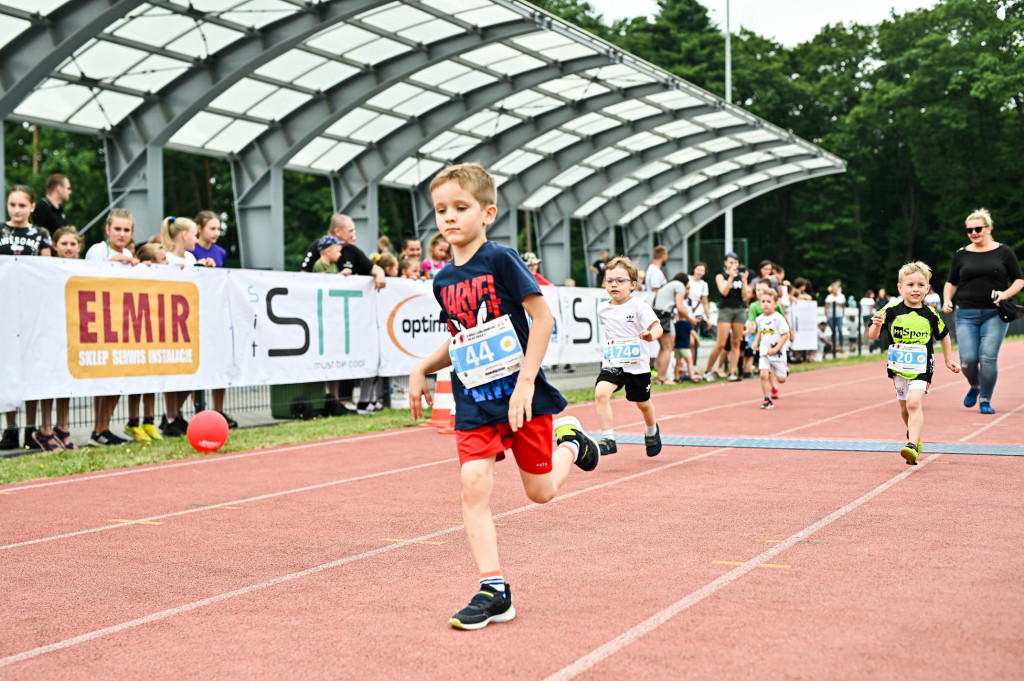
(905, 358)
(622, 352)
(486, 352)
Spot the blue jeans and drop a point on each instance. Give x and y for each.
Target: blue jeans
(837, 326)
(980, 333)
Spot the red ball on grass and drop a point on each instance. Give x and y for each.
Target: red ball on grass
(208, 431)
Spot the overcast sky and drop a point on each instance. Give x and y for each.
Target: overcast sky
(787, 21)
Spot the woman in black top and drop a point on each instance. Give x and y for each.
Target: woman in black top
(982, 273)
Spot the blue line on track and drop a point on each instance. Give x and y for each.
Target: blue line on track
(824, 445)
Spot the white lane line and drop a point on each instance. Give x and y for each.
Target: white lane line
(981, 430)
(211, 507)
(158, 467)
(650, 624)
(187, 607)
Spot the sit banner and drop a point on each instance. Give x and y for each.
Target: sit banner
(73, 327)
(87, 328)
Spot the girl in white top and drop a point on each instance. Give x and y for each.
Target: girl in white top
(697, 296)
(120, 229)
(179, 236)
(627, 324)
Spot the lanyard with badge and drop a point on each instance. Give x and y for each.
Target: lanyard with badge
(486, 352)
(908, 358)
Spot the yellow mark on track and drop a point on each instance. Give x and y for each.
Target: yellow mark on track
(229, 508)
(764, 565)
(399, 541)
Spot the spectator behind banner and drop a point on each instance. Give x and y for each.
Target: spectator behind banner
(335, 227)
(329, 248)
(655, 277)
(532, 263)
(598, 267)
(209, 229)
(49, 210)
(439, 255)
(409, 268)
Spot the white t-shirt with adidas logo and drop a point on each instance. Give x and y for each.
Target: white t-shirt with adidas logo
(627, 321)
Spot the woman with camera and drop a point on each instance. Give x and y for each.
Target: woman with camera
(732, 315)
(981, 275)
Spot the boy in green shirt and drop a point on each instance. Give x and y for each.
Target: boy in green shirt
(910, 328)
(330, 251)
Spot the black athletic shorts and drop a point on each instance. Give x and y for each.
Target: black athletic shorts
(638, 386)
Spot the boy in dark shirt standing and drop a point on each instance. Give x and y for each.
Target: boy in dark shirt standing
(502, 398)
(910, 328)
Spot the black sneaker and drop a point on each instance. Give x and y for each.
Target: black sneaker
(568, 428)
(30, 437)
(10, 438)
(653, 442)
(176, 428)
(487, 606)
(608, 446)
(105, 439)
(231, 422)
(767, 404)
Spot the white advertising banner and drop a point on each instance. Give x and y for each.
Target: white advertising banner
(578, 327)
(106, 328)
(291, 327)
(85, 328)
(804, 314)
(411, 327)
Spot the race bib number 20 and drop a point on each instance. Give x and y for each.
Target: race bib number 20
(905, 358)
(486, 352)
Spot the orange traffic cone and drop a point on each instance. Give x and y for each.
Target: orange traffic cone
(443, 415)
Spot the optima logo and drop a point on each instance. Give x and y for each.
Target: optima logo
(131, 327)
(413, 332)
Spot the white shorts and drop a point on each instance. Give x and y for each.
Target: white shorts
(777, 364)
(905, 385)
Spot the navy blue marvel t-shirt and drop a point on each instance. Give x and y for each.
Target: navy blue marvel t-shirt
(492, 284)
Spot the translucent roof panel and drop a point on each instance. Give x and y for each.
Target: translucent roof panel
(375, 93)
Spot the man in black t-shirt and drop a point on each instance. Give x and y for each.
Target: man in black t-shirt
(49, 212)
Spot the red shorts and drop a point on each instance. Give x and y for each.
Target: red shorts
(532, 444)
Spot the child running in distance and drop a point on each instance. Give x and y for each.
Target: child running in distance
(770, 341)
(909, 328)
(502, 399)
(627, 324)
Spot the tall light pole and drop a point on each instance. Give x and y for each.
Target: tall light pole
(728, 98)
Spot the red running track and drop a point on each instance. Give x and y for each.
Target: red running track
(344, 559)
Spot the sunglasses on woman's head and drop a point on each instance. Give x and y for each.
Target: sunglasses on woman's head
(976, 230)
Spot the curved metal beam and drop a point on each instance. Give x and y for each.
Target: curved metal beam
(28, 59)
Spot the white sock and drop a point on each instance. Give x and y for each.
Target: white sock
(608, 434)
(651, 430)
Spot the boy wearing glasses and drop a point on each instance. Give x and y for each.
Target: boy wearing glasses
(627, 324)
(910, 327)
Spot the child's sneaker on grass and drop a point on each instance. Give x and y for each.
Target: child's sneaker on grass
(487, 606)
(152, 431)
(138, 433)
(653, 442)
(608, 446)
(910, 452)
(568, 429)
(767, 404)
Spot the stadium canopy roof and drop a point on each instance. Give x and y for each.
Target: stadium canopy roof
(384, 92)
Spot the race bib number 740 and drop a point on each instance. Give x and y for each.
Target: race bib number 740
(486, 352)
